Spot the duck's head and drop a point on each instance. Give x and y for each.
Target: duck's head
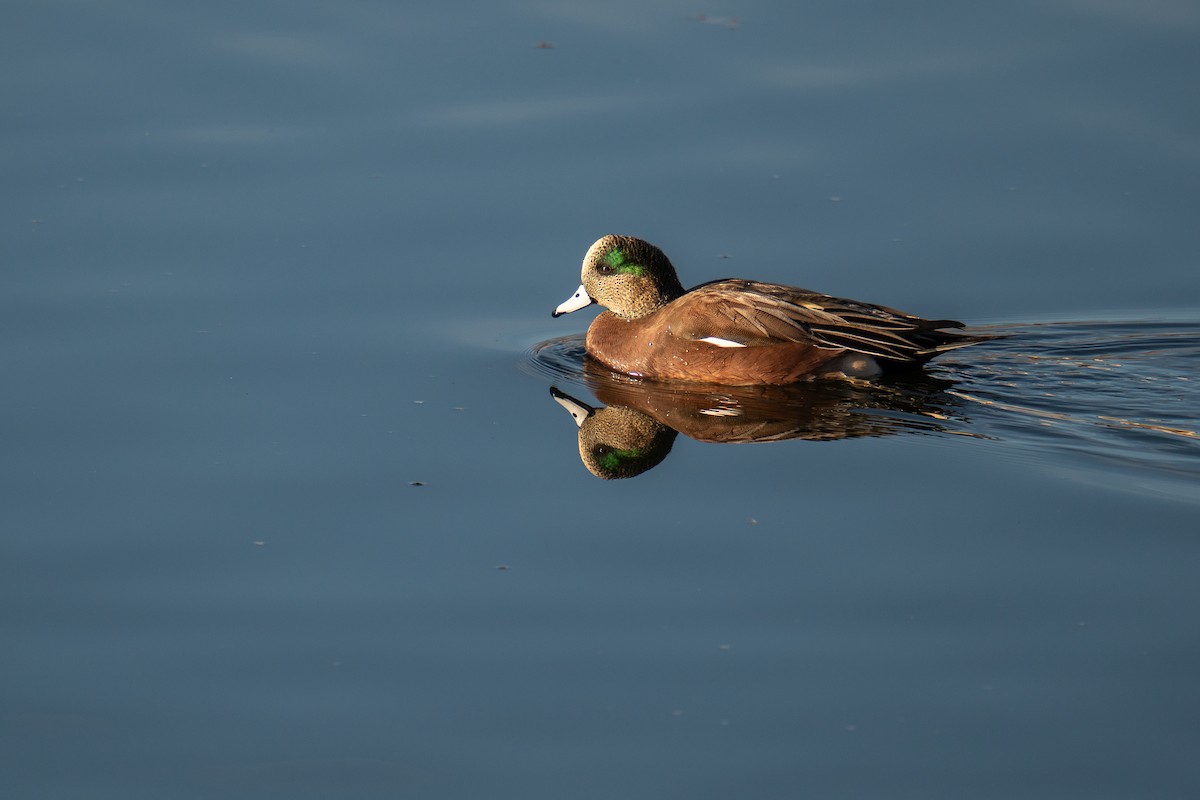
(629, 277)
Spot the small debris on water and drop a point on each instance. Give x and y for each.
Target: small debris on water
(729, 23)
(417, 483)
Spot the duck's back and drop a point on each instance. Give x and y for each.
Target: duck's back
(753, 313)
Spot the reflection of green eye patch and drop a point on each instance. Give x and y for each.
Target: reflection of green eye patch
(615, 259)
(611, 458)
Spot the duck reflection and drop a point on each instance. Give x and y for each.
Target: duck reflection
(637, 422)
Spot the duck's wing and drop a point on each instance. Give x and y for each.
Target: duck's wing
(750, 313)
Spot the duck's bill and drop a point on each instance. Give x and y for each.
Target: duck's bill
(581, 299)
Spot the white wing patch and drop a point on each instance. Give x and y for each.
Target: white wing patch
(719, 342)
(722, 412)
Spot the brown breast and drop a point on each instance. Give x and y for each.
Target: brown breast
(648, 348)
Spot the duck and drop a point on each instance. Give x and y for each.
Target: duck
(739, 332)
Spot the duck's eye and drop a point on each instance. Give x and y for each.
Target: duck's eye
(615, 260)
(612, 261)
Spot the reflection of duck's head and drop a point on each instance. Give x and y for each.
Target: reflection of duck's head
(617, 442)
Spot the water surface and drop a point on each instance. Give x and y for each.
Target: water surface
(289, 511)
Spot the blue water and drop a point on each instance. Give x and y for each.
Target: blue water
(289, 510)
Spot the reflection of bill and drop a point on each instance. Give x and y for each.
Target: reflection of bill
(636, 428)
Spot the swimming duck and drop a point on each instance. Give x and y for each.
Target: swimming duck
(739, 332)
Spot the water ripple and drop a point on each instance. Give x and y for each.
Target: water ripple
(1124, 394)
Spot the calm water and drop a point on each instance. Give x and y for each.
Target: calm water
(289, 510)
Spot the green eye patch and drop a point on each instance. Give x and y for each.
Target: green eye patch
(615, 260)
(612, 458)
